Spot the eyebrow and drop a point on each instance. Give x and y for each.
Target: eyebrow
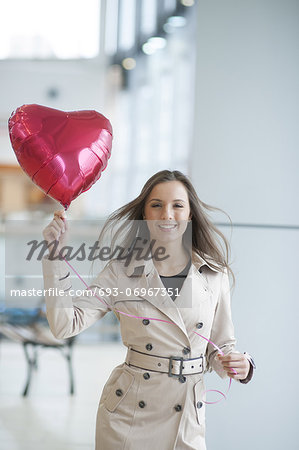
(175, 200)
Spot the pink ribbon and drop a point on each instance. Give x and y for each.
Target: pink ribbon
(230, 380)
(165, 321)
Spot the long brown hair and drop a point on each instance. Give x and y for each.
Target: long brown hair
(207, 240)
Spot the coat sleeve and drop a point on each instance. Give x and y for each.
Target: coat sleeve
(222, 332)
(67, 315)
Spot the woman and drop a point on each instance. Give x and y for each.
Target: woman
(168, 306)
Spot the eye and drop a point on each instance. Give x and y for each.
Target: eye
(178, 205)
(155, 205)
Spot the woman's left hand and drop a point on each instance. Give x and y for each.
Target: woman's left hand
(236, 361)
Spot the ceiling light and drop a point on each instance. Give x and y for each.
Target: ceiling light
(187, 2)
(148, 49)
(129, 63)
(157, 42)
(153, 44)
(177, 21)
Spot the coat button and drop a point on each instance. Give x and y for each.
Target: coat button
(178, 407)
(149, 347)
(199, 325)
(186, 350)
(145, 321)
(146, 376)
(199, 404)
(119, 392)
(142, 404)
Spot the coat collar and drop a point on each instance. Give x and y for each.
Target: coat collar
(136, 268)
(146, 276)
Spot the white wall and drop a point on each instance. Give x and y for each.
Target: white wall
(246, 140)
(245, 160)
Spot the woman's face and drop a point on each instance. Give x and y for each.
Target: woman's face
(167, 211)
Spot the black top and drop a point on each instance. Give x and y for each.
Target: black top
(176, 281)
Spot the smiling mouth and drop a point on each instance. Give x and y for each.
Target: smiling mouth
(167, 228)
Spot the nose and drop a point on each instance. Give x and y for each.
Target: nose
(167, 213)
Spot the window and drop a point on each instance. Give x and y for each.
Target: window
(111, 27)
(58, 29)
(149, 16)
(127, 25)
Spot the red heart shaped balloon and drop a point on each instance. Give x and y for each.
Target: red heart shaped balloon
(64, 153)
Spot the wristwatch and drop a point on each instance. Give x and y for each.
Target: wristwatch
(252, 367)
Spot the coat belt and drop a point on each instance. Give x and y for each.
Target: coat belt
(174, 366)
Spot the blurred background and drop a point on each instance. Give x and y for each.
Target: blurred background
(207, 87)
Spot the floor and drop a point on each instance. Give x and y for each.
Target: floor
(49, 418)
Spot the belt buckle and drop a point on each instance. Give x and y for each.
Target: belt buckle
(175, 358)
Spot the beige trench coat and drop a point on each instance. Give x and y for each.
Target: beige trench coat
(203, 306)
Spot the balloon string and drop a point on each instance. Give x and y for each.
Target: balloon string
(230, 381)
(165, 321)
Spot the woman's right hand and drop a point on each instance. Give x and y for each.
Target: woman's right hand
(56, 231)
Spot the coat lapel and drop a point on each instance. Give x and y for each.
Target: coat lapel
(164, 304)
(145, 275)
